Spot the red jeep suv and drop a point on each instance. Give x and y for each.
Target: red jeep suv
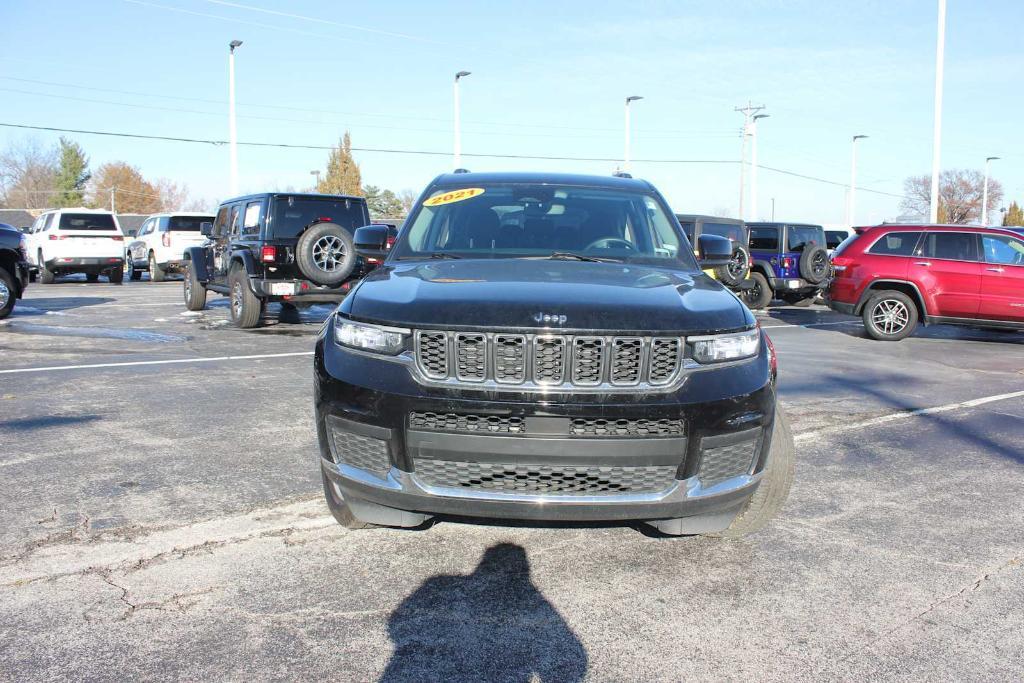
(896, 275)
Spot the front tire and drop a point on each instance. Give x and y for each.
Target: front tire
(246, 307)
(889, 316)
(134, 274)
(156, 273)
(339, 509)
(760, 294)
(776, 481)
(194, 290)
(92, 277)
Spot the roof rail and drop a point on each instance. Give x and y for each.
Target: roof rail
(622, 174)
(461, 170)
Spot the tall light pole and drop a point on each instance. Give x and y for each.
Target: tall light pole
(748, 112)
(753, 164)
(984, 193)
(851, 197)
(773, 209)
(317, 174)
(457, 122)
(232, 126)
(625, 149)
(940, 50)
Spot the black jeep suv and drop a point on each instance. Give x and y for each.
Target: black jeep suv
(542, 346)
(293, 248)
(14, 268)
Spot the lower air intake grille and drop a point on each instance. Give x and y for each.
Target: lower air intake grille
(599, 427)
(544, 480)
(725, 462)
(361, 452)
(452, 422)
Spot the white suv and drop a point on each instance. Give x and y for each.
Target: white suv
(160, 244)
(65, 241)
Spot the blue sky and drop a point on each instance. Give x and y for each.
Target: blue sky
(548, 79)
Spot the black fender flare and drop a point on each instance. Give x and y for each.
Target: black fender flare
(245, 259)
(201, 259)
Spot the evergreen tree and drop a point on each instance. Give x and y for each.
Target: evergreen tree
(383, 203)
(1014, 215)
(72, 174)
(343, 175)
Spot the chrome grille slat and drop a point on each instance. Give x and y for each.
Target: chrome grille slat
(545, 360)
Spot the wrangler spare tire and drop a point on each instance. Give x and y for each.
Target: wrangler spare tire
(734, 272)
(325, 254)
(814, 264)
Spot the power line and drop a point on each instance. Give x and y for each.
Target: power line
(420, 152)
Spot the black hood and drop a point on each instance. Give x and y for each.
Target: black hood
(516, 293)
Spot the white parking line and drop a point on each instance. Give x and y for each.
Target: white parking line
(892, 417)
(806, 325)
(90, 366)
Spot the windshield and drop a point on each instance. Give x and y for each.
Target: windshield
(543, 221)
(187, 223)
(87, 221)
(292, 215)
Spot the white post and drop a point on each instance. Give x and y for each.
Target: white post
(457, 121)
(626, 139)
(232, 125)
(984, 193)
(743, 167)
(113, 208)
(753, 165)
(851, 198)
(940, 48)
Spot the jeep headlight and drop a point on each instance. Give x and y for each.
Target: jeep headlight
(366, 337)
(725, 347)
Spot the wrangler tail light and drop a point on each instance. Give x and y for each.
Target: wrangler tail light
(787, 262)
(268, 254)
(166, 239)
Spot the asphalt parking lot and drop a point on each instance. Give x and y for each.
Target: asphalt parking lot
(162, 517)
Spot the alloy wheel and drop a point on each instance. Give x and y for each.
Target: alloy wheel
(5, 295)
(236, 301)
(890, 316)
(328, 253)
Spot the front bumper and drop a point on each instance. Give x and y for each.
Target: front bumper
(378, 458)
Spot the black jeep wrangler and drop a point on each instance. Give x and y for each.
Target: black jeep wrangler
(14, 268)
(542, 346)
(733, 274)
(291, 248)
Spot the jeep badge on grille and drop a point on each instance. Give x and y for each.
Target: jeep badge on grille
(548, 319)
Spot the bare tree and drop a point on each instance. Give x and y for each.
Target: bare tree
(960, 195)
(175, 197)
(408, 199)
(28, 175)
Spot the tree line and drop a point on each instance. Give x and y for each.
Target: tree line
(961, 193)
(344, 177)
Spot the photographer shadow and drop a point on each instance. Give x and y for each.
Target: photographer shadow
(492, 624)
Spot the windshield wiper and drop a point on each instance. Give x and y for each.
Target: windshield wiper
(568, 255)
(443, 254)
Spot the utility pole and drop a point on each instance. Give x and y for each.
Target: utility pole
(113, 207)
(625, 149)
(232, 125)
(753, 164)
(850, 198)
(748, 112)
(984, 193)
(457, 121)
(773, 209)
(940, 49)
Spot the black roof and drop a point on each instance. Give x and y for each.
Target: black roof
(536, 178)
(264, 195)
(709, 219)
(779, 224)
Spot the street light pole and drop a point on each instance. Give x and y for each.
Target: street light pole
(317, 174)
(625, 150)
(773, 209)
(851, 198)
(457, 122)
(232, 126)
(753, 164)
(940, 50)
(984, 193)
(748, 112)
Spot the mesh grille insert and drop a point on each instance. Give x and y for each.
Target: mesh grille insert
(587, 360)
(510, 358)
(362, 452)
(625, 365)
(601, 427)
(471, 357)
(549, 360)
(433, 353)
(664, 360)
(725, 462)
(544, 479)
(454, 422)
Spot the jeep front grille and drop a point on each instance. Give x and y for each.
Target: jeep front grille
(547, 360)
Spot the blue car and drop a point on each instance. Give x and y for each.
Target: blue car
(789, 262)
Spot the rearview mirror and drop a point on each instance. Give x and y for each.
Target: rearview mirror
(206, 228)
(371, 241)
(713, 251)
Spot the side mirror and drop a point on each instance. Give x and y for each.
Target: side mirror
(27, 229)
(713, 251)
(371, 241)
(206, 228)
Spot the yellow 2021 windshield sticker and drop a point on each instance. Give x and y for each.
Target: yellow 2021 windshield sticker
(454, 196)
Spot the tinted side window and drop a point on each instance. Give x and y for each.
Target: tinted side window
(235, 223)
(764, 238)
(688, 229)
(728, 230)
(1006, 251)
(833, 238)
(221, 222)
(896, 244)
(251, 219)
(953, 246)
